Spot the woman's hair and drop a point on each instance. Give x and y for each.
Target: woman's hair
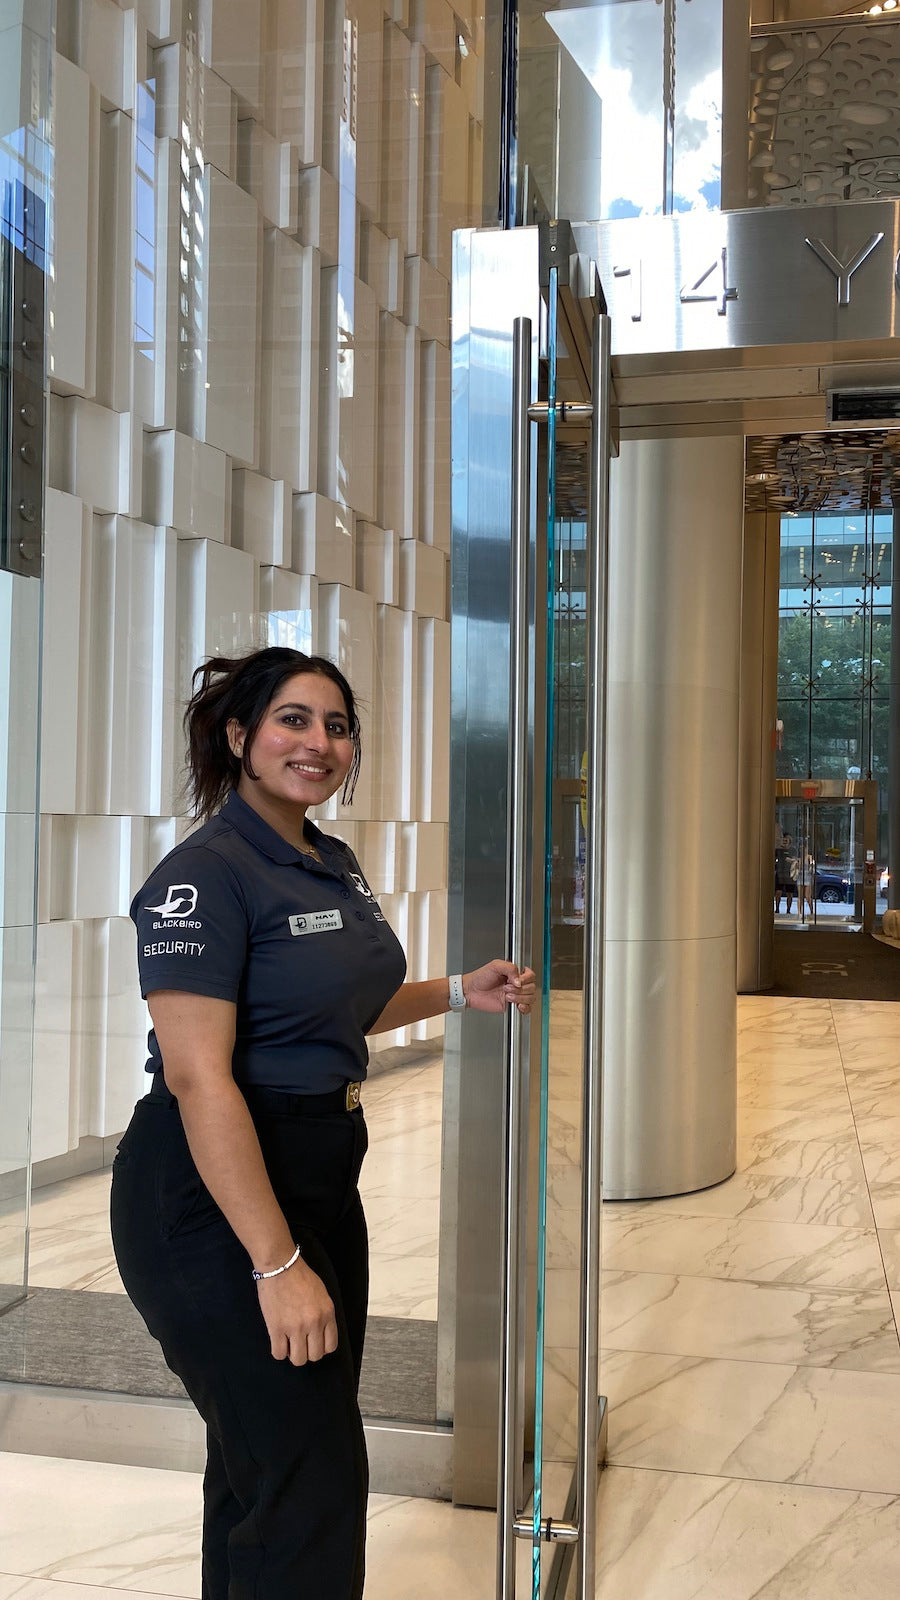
(241, 690)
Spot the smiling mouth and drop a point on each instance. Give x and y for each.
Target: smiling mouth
(307, 771)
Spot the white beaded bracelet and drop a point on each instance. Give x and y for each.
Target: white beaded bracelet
(458, 1001)
(276, 1271)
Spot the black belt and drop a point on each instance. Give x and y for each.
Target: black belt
(284, 1100)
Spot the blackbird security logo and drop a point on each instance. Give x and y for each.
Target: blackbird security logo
(180, 904)
(365, 891)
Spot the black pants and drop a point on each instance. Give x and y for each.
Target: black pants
(284, 1493)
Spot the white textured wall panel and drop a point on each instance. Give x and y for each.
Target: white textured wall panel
(218, 604)
(378, 563)
(347, 636)
(224, 315)
(58, 1040)
(323, 539)
(248, 443)
(398, 403)
(20, 600)
(319, 212)
(72, 290)
(434, 719)
(380, 265)
(261, 517)
(396, 693)
(294, 77)
(116, 281)
(66, 531)
(288, 367)
(231, 42)
(289, 604)
(423, 578)
(122, 1019)
(358, 394)
(187, 485)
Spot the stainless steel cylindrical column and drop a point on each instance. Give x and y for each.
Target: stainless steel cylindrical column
(670, 1025)
(756, 762)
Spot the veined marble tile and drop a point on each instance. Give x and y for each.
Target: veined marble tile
(787, 1014)
(889, 1240)
(427, 1550)
(403, 1286)
(858, 1019)
(883, 1174)
(73, 1202)
(836, 1160)
(13, 1588)
(749, 1419)
(743, 1248)
(107, 1283)
(749, 1321)
(673, 1536)
(755, 1122)
(769, 1198)
(813, 1039)
(561, 1307)
(93, 1523)
(812, 1092)
(395, 1167)
(398, 1227)
(416, 1548)
(886, 1208)
(69, 1257)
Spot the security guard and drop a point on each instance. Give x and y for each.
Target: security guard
(238, 913)
(236, 1216)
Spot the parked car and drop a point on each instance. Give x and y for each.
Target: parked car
(834, 882)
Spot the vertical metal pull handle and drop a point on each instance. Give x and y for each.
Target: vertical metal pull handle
(509, 1462)
(594, 878)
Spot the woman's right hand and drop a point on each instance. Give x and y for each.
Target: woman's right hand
(299, 1314)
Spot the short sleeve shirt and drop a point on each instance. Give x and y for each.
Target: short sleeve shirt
(300, 946)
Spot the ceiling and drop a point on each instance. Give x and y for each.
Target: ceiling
(852, 471)
(856, 470)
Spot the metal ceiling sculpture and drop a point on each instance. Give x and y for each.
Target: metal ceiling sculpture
(851, 471)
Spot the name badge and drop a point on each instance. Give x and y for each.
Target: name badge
(315, 922)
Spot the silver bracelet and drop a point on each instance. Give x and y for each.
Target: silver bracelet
(276, 1271)
(458, 1001)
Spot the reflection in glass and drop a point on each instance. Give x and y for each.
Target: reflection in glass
(646, 79)
(834, 653)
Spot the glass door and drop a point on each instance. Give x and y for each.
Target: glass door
(531, 455)
(826, 873)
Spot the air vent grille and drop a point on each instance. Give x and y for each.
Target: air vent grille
(864, 407)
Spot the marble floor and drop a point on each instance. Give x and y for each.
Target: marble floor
(751, 1359)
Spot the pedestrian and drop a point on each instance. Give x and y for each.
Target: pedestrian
(237, 1223)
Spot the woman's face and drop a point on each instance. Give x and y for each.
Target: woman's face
(302, 750)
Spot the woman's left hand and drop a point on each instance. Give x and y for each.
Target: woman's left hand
(500, 984)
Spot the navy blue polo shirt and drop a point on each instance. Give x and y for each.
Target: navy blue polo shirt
(299, 945)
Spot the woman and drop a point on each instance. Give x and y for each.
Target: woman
(237, 1223)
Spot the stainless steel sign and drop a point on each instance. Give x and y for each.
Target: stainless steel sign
(721, 280)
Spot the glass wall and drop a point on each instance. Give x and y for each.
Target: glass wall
(249, 372)
(24, 196)
(834, 656)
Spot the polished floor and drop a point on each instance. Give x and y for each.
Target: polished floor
(751, 1358)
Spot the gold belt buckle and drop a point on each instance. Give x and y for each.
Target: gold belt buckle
(351, 1098)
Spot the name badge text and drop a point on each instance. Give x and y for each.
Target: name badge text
(315, 922)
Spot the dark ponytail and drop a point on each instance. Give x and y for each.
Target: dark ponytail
(241, 690)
